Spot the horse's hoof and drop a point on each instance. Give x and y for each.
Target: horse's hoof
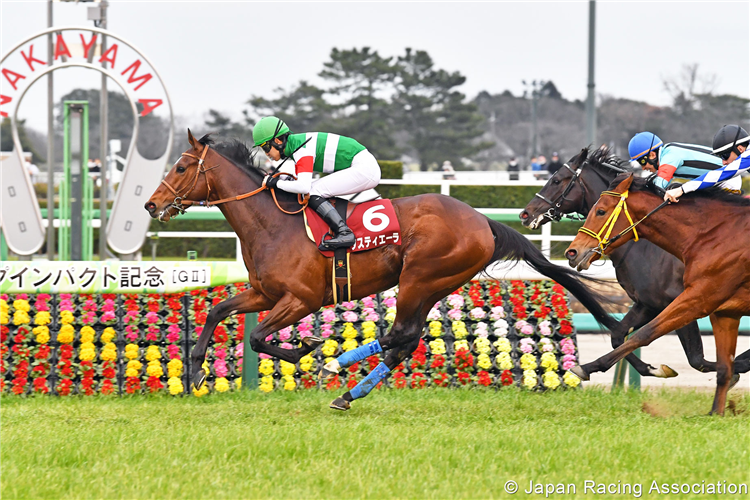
(735, 379)
(579, 372)
(199, 378)
(664, 372)
(312, 342)
(340, 404)
(329, 370)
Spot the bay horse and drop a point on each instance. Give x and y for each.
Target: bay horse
(709, 231)
(445, 243)
(573, 190)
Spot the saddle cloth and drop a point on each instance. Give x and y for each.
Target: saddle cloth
(374, 224)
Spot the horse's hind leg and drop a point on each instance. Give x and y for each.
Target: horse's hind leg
(248, 301)
(638, 316)
(725, 336)
(690, 337)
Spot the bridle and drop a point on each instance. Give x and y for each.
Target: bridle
(181, 204)
(604, 233)
(554, 213)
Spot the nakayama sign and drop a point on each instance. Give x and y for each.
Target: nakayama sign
(26, 63)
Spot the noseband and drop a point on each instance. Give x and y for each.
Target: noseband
(181, 204)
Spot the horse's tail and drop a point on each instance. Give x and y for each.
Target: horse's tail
(513, 246)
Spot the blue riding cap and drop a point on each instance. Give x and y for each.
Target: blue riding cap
(642, 144)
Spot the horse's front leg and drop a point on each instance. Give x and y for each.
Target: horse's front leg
(286, 312)
(638, 316)
(249, 301)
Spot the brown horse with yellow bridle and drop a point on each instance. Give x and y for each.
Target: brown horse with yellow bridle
(709, 231)
(445, 243)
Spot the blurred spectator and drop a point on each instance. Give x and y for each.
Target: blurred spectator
(535, 164)
(513, 169)
(540, 172)
(33, 172)
(554, 165)
(449, 174)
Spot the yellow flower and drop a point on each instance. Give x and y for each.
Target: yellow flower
(549, 362)
(4, 318)
(528, 362)
(135, 365)
(461, 344)
(436, 328)
(571, 380)
(289, 383)
(153, 353)
(459, 329)
(174, 368)
(266, 383)
(21, 318)
(369, 329)
(328, 360)
(502, 344)
(66, 317)
(3, 306)
(108, 334)
(349, 331)
(550, 380)
(266, 366)
(88, 352)
(349, 344)
(287, 368)
(131, 351)
(329, 347)
(175, 386)
(87, 334)
(503, 361)
(66, 334)
(437, 346)
(306, 363)
(484, 362)
(154, 369)
(390, 315)
(221, 384)
(130, 372)
(21, 305)
(109, 352)
(529, 379)
(482, 345)
(42, 318)
(42, 334)
(238, 383)
(202, 392)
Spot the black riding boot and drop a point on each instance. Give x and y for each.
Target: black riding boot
(343, 237)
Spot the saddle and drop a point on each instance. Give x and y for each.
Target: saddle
(374, 224)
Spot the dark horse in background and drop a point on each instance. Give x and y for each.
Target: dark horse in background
(652, 277)
(445, 243)
(710, 232)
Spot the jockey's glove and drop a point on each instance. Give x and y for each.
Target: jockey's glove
(271, 182)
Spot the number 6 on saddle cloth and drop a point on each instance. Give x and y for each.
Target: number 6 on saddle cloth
(374, 224)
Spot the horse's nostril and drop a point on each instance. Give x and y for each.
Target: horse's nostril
(524, 215)
(150, 206)
(571, 254)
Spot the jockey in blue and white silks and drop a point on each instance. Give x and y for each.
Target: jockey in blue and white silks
(730, 144)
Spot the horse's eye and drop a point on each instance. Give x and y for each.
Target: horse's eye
(556, 181)
(600, 212)
(180, 170)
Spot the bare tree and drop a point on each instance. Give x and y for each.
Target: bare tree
(687, 85)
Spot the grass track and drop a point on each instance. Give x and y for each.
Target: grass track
(394, 444)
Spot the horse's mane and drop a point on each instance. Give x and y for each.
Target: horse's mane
(604, 159)
(240, 155)
(714, 193)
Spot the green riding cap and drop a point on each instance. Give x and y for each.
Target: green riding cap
(268, 128)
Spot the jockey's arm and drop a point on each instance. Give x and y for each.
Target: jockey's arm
(664, 175)
(304, 169)
(713, 177)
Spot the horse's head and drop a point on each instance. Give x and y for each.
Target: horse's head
(186, 183)
(561, 195)
(603, 230)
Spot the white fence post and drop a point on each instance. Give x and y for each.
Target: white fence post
(445, 188)
(547, 240)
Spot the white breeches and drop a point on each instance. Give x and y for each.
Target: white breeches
(362, 175)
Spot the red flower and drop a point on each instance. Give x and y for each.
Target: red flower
(107, 387)
(19, 385)
(132, 385)
(153, 306)
(399, 380)
(372, 362)
(200, 318)
(43, 352)
(506, 378)
(220, 334)
(351, 382)
(440, 379)
(484, 378)
(353, 368)
(418, 380)
(308, 381)
(463, 359)
(154, 384)
(109, 372)
(333, 384)
(463, 378)
(262, 315)
(64, 387)
(40, 385)
(438, 362)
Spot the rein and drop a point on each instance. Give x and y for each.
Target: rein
(181, 204)
(609, 225)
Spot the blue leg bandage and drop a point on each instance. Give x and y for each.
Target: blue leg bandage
(370, 381)
(360, 353)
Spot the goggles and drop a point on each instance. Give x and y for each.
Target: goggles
(266, 147)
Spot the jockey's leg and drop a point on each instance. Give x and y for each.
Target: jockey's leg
(363, 174)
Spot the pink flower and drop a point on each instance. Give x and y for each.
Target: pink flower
(239, 351)
(221, 353)
(526, 346)
(349, 305)
(497, 313)
(43, 296)
(304, 327)
(326, 330)
(269, 338)
(308, 320)
(477, 313)
(434, 314)
(304, 334)
(545, 328)
(569, 361)
(567, 346)
(198, 330)
(455, 301)
(22, 296)
(109, 305)
(328, 316)
(220, 368)
(152, 318)
(350, 316)
(132, 332)
(108, 317)
(285, 333)
(173, 351)
(389, 302)
(263, 355)
(455, 314)
(368, 302)
(286, 345)
(41, 305)
(173, 337)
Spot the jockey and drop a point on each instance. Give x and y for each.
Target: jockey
(674, 162)
(350, 166)
(730, 144)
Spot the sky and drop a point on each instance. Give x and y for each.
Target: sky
(219, 54)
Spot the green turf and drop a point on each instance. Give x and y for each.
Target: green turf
(395, 444)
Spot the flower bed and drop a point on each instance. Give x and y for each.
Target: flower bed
(486, 334)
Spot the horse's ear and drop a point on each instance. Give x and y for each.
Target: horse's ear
(192, 140)
(624, 185)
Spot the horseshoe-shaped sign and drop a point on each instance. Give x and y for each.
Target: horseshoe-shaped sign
(20, 68)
